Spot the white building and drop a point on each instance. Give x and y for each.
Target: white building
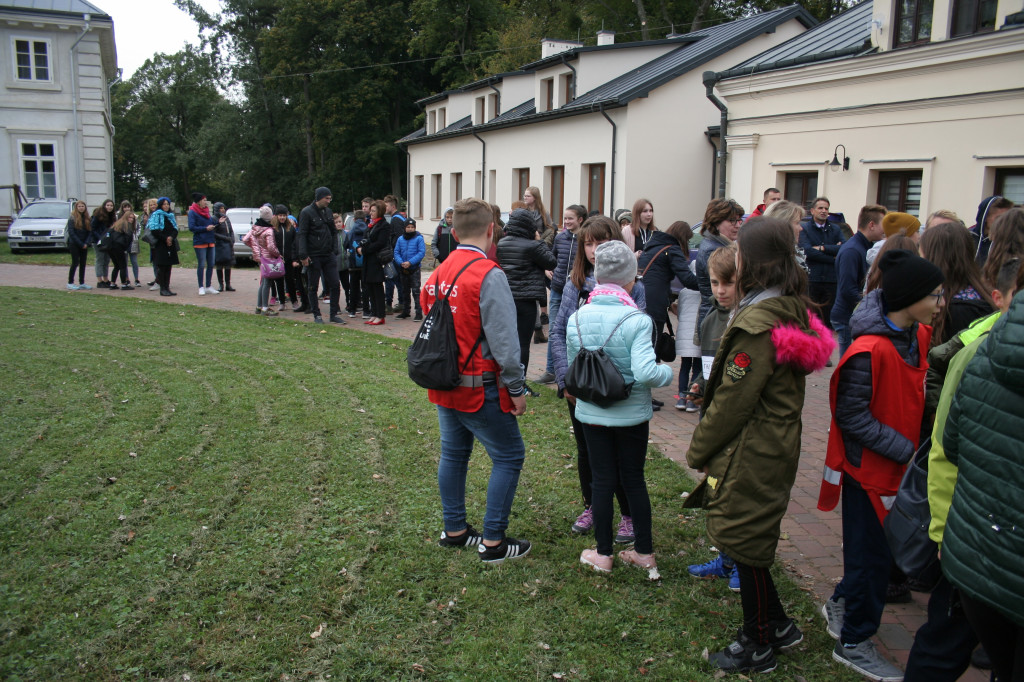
(55, 128)
(925, 98)
(599, 126)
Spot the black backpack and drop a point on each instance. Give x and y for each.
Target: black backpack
(433, 357)
(106, 241)
(592, 375)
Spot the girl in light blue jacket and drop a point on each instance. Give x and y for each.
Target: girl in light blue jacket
(617, 435)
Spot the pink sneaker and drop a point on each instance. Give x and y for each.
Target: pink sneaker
(599, 562)
(644, 561)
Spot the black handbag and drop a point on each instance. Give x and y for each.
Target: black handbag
(906, 524)
(147, 236)
(592, 375)
(665, 346)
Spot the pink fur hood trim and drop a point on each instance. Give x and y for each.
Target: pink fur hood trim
(805, 351)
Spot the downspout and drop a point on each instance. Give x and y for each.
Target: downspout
(497, 105)
(566, 62)
(714, 160)
(74, 101)
(710, 78)
(611, 195)
(483, 164)
(408, 178)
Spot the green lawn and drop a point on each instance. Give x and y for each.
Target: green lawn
(187, 256)
(191, 492)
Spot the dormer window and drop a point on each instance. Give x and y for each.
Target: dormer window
(913, 22)
(547, 93)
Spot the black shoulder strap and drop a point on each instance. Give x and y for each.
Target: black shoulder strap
(622, 319)
(452, 285)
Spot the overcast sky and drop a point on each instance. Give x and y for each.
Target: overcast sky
(144, 27)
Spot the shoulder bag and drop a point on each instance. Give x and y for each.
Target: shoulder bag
(906, 525)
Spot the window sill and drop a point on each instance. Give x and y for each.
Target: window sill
(33, 85)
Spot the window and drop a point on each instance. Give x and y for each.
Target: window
(39, 170)
(913, 21)
(492, 184)
(1010, 184)
(801, 188)
(973, 16)
(32, 60)
(456, 187)
(556, 192)
(900, 191)
(431, 122)
(547, 93)
(595, 187)
(419, 196)
(565, 80)
(442, 118)
(492, 106)
(435, 186)
(522, 177)
(479, 116)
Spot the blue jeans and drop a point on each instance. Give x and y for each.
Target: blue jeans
(205, 257)
(498, 431)
(844, 335)
(554, 303)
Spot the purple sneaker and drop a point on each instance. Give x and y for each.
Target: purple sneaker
(584, 522)
(625, 534)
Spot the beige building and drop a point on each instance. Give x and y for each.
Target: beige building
(55, 127)
(599, 126)
(924, 98)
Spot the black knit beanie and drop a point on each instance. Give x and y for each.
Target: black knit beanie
(321, 192)
(197, 197)
(280, 209)
(906, 278)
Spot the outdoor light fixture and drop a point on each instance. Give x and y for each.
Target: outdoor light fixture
(834, 164)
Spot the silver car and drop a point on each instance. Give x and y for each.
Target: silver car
(242, 220)
(40, 225)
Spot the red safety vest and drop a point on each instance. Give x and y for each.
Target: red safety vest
(897, 400)
(465, 305)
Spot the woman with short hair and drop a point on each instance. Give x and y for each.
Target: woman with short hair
(721, 225)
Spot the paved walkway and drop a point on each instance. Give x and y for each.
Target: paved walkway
(811, 546)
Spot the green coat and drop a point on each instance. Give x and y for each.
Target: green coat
(983, 546)
(749, 435)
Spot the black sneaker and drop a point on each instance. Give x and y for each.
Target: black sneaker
(336, 319)
(510, 548)
(784, 634)
(744, 656)
(468, 539)
(318, 319)
(418, 318)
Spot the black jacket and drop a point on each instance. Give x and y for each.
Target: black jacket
(377, 240)
(524, 260)
(317, 235)
(284, 237)
(821, 263)
(664, 268)
(163, 254)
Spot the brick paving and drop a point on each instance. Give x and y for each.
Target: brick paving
(811, 545)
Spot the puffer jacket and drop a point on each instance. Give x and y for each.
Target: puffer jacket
(261, 240)
(629, 348)
(444, 242)
(749, 435)
(78, 238)
(571, 302)
(708, 245)
(353, 240)
(564, 250)
(984, 539)
(410, 248)
(659, 269)
(853, 397)
(523, 258)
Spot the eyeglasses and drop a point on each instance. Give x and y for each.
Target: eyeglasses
(938, 296)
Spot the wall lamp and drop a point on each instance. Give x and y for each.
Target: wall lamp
(835, 164)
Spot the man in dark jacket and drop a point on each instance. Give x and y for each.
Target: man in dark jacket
(316, 246)
(852, 270)
(988, 210)
(820, 238)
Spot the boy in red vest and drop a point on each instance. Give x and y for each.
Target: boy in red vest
(877, 400)
(493, 390)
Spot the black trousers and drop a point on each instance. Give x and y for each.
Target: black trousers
(617, 458)
(327, 266)
(824, 294)
(583, 466)
(120, 261)
(375, 292)
(762, 609)
(943, 645)
(1002, 638)
(355, 290)
(78, 258)
(410, 288)
(293, 284)
(163, 276)
(526, 318)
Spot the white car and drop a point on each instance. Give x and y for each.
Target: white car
(40, 225)
(242, 220)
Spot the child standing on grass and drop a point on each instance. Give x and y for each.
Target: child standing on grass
(748, 440)
(722, 270)
(617, 434)
(877, 400)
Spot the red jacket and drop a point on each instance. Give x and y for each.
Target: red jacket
(897, 400)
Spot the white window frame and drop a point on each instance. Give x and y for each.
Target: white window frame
(22, 172)
(32, 54)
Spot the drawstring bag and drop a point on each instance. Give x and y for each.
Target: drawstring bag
(592, 376)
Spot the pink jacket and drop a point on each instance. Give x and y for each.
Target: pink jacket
(261, 240)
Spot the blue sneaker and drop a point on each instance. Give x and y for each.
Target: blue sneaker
(734, 579)
(712, 569)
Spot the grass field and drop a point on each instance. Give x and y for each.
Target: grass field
(198, 494)
(187, 256)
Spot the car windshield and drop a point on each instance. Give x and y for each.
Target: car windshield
(46, 210)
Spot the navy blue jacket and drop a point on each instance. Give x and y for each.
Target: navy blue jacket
(821, 263)
(851, 272)
(565, 251)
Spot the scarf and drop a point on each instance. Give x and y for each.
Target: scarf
(968, 294)
(612, 290)
(205, 212)
(755, 296)
(373, 223)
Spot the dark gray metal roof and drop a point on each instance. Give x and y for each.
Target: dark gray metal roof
(525, 109)
(414, 135)
(844, 35)
(75, 7)
(573, 52)
(702, 46)
(458, 125)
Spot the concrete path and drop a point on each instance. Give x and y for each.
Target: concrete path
(811, 548)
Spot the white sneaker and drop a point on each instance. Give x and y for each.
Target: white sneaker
(154, 287)
(211, 290)
(72, 286)
(202, 291)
